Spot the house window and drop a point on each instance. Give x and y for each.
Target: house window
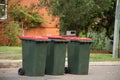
(3, 9)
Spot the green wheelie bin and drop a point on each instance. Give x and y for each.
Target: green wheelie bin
(34, 50)
(78, 55)
(55, 61)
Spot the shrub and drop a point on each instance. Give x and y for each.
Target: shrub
(12, 31)
(100, 40)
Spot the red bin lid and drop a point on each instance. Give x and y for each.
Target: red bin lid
(26, 37)
(69, 38)
(77, 38)
(54, 37)
(40, 38)
(86, 39)
(34, 37)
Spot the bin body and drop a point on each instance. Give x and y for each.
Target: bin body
(27, 56)
(78, 56)
(55, 61)
(34, 56)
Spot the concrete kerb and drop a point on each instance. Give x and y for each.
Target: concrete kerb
(10, 63)
(113, 63)
(18, 63)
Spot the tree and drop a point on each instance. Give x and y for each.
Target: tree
(76, 14)
(105, 19)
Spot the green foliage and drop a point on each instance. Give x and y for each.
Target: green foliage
(12, 31)
(77, 14)
(21, 17)
(82, 34)
(100, 41)
(26, 15)
(105, 18)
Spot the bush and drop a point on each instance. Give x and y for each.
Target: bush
(12, 31)
(100, 41)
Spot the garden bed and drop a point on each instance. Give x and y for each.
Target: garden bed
(100, 51)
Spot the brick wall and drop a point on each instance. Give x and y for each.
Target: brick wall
(48, 28)
(3, 39)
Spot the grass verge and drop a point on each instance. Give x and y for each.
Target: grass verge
(102, 57)
(15, 53)
(10, 52)
(11, 57)
(7, 49)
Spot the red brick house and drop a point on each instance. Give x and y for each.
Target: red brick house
(46, 28)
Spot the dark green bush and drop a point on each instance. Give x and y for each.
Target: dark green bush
(100, 41)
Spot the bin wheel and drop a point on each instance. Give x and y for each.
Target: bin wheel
(21, 71)
(67, 70)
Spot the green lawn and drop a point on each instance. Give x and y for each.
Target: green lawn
(7, 49)
(102, 57)
(14, 53)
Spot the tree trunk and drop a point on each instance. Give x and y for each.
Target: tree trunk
(77, 31)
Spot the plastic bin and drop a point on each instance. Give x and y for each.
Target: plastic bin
(55, 61)
(78, 55)
(34, 50)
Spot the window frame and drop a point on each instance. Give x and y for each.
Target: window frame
(4, 5)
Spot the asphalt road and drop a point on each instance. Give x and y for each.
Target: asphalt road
(95, 73)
